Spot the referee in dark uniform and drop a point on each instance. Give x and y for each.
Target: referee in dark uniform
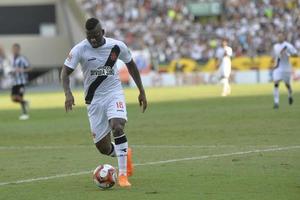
(20, 67)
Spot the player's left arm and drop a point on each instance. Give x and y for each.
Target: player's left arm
(27, 67)
(135, 74)
(292, 50)
(217, 59)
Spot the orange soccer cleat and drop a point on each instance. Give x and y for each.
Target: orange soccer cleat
(129, 162)
(123, 181)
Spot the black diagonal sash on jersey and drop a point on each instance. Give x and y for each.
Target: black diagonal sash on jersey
(110, 62)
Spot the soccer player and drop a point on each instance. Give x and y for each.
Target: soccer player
(283, 69)
(20, 69)
(103, 92)
(2, 60)
(223, 57)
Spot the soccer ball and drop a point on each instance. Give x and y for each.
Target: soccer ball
(105, 176)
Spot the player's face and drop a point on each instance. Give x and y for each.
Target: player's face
(281, 38)
(224, 43)
(95, 36)
(15, 50)
(2, 54)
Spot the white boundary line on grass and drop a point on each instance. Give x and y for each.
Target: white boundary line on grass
(204, 157)
(134, 146)
(91, 146)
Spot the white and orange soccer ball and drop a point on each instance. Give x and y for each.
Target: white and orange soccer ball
(105, 176)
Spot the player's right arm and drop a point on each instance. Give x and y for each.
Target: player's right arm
(65, 78)
(275, 57)
(291, 50)
(70, 64)
(217, 59)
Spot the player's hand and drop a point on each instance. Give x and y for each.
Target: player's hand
(283, 50)
(143, 101)
(69, 102)
(18, 70)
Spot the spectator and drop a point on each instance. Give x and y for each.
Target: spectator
(169, 30)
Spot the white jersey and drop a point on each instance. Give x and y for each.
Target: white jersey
(99, 67)
(282, 59)
(224, 60)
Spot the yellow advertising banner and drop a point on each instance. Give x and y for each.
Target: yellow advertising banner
(238, 63)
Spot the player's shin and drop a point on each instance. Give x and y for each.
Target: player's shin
(276, 94)
(290, 91)
(121, 148)
(113, 150)
(24, 107)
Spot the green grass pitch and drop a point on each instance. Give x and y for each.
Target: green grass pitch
(190, 144)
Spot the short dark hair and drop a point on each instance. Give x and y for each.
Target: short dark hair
(17, 45)
(91, 23)
(225, 39)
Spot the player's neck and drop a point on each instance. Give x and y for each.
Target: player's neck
(103, 42)
(16, 56)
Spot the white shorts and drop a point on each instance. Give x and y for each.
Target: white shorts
(224, 72)
(100, 112)
(281, 76)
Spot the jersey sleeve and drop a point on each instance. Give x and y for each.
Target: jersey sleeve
(229, 51)
(125, 54)
(291, 49)
(25, 62)
(73, 58)
(219, 53)
(276, 52)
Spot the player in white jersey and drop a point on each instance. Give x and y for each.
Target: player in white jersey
(283, 69)
(103, 92)
(223, 56)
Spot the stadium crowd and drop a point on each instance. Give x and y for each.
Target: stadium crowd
(170, 31)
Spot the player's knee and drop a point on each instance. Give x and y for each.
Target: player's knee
(117, 126)
(15, 98)
(104, 149)
(117, 129)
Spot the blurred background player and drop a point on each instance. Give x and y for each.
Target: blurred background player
(2, 60)
(283, 69)
(223, 57)
(20, 68)
(104, 93)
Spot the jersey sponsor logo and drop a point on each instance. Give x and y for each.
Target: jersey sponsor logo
(115, 51)
(103, 71)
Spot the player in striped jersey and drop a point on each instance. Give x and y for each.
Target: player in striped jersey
(2, 60)
(20, 68)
